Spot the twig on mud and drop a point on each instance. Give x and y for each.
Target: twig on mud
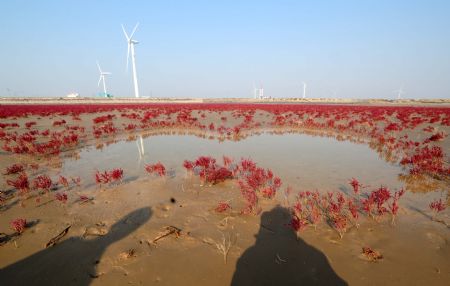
(169, 230)
(55, 239)
(223, 246)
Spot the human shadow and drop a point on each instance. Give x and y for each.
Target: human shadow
(278, 257)
(73, 261)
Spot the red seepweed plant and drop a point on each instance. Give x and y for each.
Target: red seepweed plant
(42, 182)
(62, 197)
(106, 177)
(18, 225)
(343, 211)
(14, 169)
(21, 183)
(437, 206)
(222, 207)
(157, 168)
(63, 181)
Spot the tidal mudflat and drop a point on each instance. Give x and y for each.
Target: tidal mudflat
(220, 194)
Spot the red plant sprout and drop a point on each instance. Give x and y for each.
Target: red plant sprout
(14, 169)
(157, 168)
(222, 207)
(394, 206)
(82, 199)
(339, 223)
(102, 178)
(62, 197)
(188, 165)
(227, 161)
(18, 225)
(355, 185)
(76, 181)
(353, 209)
(63, 181)
(437, 206)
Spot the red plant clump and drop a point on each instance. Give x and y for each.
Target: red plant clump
(222, 207)
(436, 137)
(18, 225)
(14, 169)
(30, 124)
(105, 177)
(21, 183)
(62, 197)
(188, 165)
(157, 168)
(63, 181)
(355, 185)
(394, 206)
(437, 206)
(42, 182)
(103, 119)
(116, 174)
(341, 211)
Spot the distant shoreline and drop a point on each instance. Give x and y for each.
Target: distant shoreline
(88, 100)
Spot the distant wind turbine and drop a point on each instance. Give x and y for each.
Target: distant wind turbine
(131, 44)
(400, 92)
(304, 89)
(102, 78)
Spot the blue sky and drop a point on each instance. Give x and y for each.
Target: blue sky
(355, 49)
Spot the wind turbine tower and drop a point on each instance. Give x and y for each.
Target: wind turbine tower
(102, 78)
(304, 90)
(131, 44)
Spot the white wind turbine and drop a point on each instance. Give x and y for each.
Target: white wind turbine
(131, 44)
(399, 92)
(102, 78)
(304, 89)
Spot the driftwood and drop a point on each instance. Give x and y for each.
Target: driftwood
(55, 239)
(169, 230)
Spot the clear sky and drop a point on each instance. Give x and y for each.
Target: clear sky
(355, 49)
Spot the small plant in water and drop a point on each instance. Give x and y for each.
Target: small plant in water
(157, 168)
(437, 206)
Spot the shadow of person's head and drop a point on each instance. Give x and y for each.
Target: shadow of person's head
(279, 257)
(128, 224)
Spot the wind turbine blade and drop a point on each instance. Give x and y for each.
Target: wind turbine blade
(134, 30)
(125, 33)
(99, 80)
(99, 69)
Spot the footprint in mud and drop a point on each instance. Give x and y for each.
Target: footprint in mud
(436, 239)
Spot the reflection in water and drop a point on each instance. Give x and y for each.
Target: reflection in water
(413, 183)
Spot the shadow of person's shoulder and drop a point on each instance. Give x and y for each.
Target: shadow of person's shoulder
(72, 261)
(278, 257)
